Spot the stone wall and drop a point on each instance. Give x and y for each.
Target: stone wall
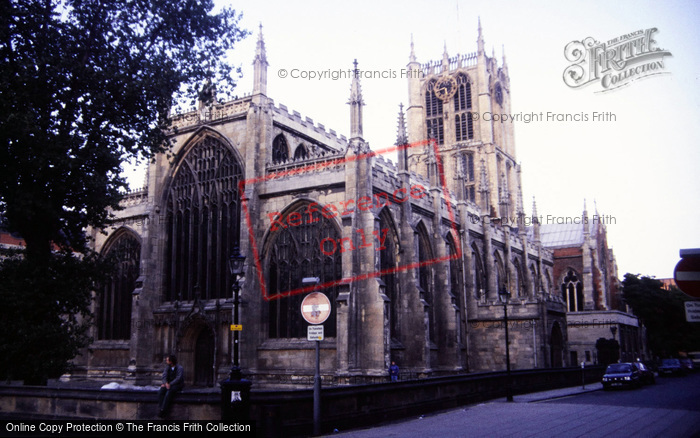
(290, 413)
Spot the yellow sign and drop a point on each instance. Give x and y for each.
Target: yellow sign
(236, 327)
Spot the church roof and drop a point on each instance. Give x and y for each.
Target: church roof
(561, 235)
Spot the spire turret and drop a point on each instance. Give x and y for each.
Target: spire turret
(484, 188)
(260, 66)
(401, 135)
(535, 223)
(356, 104)
(445, 59)
(412, 56)
(480, 40)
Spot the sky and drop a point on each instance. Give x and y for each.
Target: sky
(639, 168)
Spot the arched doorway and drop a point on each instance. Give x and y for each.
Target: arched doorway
(204, 359)
(556, 346)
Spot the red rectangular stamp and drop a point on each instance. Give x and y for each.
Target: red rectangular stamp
(315, 212)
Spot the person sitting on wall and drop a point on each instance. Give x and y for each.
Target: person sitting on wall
(173, 382)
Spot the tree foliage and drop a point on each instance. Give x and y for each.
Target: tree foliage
(663, 313)
(43, 331)
(84, 86)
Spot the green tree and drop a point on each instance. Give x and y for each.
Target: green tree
(84, 86)
(663, 313)
(43, 331)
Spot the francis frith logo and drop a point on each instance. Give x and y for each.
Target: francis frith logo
(615, 63)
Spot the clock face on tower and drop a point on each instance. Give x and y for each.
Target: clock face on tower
(445, 87)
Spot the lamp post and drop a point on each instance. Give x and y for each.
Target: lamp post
(503, 295)
(235, 267)
(235, 391)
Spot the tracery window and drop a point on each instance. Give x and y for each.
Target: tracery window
(469, 177)
(425, 278)
(572, 291)
(479, 275)
(203, 222)
(433, 113)
(296, 252)
(464, 122)
(114, 303)
(456, 284)
(300, 153)
(535, 280)
(387, 265)
(280, 150)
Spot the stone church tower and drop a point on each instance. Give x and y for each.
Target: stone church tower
(413, 255)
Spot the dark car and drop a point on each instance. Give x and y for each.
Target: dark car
(622, 375)
(646, 375)
(672, 367)
(687, 364)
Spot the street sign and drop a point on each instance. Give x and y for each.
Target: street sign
(236, 327)
(687, 272)
(315, 308)
(692, 311)
(314, 333)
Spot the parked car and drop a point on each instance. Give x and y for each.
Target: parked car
(652, 365)
(622, 375)
(646, 374)
(695, 357)
(672, 367)
(687, 364)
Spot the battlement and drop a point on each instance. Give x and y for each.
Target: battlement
(318, 132)
(212, 113)
(435, 67)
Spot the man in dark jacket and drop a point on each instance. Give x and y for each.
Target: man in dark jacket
(173, 382)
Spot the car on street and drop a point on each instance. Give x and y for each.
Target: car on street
(646, 374)
(687, 364)
(622, 375)
(695, 357)
(672, 367)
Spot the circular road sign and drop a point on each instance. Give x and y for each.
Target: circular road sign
(315, 308)
(687, 276)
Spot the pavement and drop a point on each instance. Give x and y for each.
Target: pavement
(527, 417)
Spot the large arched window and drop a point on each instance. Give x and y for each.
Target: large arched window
(280, 150)
(308, 247)
(501, 275)
(572, 291)
(456, 284)
(464, 122)
(203, 222)
(433, 114)
(535, 280)
(479, 275)
(425, 278)
(388, 262)
(114, 303)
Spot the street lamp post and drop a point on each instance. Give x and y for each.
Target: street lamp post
(503, 295)
(235, 391)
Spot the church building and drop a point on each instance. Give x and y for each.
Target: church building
(419, 258)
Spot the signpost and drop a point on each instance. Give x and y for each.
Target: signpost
(316, 308)
(687, 272)
(692, 311)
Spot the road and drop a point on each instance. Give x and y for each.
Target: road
(669, 409)
(668, 392)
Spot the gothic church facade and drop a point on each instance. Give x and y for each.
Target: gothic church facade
(416, 273)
